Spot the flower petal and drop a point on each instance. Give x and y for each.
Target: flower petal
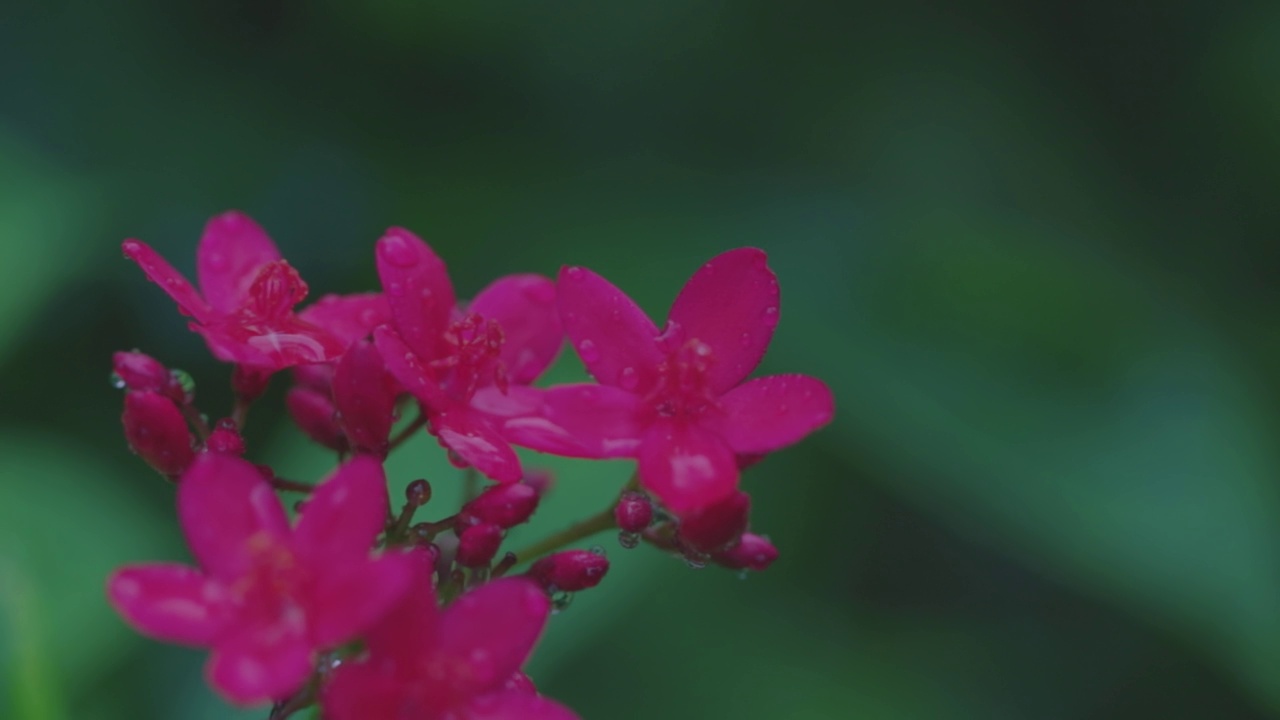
(609, 331)
(348, 317)
(525, 307)
(344, 515)
(232, 250)
(686, 466)
(348, 599)
(223, 503)
(476, 439)
(254, 667)
(418, 291)
(160, 272)
(604, 421)
(731, 304)
(492, 630)
(410, 625)
(365, 396)
(175, 603)
(363, 691)
(269, 345)
(407, 368)
(771, 412)
(514, 705)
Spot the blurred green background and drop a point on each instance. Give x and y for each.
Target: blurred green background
(1031, 246)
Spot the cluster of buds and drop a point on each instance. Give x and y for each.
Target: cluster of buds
(376, 614)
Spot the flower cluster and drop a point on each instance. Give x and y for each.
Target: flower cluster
(363, 608)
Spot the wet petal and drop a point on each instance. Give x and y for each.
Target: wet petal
(232, 250)
(410, 625)
(348, 317)
(348, 599)
(170, 280)
(223, 503)
(407, 368)
(269, 346)
(525, 307)
(686, 466)
(608, 330)
(604, 421)
(365, 396)
(492, 631)
(417, 289)
(731, 304)
(514, 705)
(364, 691)
(476, 439)
(344, 515)
(168, 602)
(254, 667)
(771, 412)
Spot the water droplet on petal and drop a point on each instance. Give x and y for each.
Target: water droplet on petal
(398, 250)
(628, 378)
(117, 382)
(216, 261)
(628, 540)
(588, 351)
(770, 317)
(597, 550)
(395, 289)
(560, 601)
(573, 273)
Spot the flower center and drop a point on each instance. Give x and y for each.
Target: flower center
(682, 389)
(473, 360)
(274, 292)
(269, 592)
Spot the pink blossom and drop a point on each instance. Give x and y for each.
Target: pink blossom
(570, 570)
(267, 598)
(244, 309)
(468, 365)
(460, 663)
(156, 430)
(676, 399)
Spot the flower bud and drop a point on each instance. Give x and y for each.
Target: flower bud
(570, 570)
(157, 432)
(715, 526)
(365, 397)
(478, 544)
(137, 371)
(505, 505)
(226, 438)
(752, 552)
(317, 376)
(634, 512)
(313, 412)
(540, 480)
(418, 493)
(249, 382)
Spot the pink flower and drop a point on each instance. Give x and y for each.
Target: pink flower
(461, 663)
(267, 598)
(468, 366)
(244, 309)
(676, 400)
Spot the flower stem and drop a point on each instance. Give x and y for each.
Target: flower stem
(280, 483)
(599, 522)
(407, 432)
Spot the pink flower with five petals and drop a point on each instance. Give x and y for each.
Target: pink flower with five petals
(676, 399)
(469, 366)
(460, 663)
(244, 309)
(267, 598)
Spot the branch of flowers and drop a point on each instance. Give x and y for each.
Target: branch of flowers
(407, 432)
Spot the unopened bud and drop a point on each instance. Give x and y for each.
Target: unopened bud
(317, 376)
(505, 505)
(313, 412)
(752, 552)
(418, 493)
(570, 570)
(478, 544)
(540, 480)
(365, 398)
(634, 512)
(716, 526)
(137, 371)
(226, 438)
(249, 383)
(157, 432)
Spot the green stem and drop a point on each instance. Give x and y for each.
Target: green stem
(599, 522)
(407, 432)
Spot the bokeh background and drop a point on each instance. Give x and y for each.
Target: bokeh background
(1031, 246)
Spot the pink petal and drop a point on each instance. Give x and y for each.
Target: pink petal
(475, 438)
(168, 602)
(348, 317)
(269, 345)
(365, 396)
(254, 667)
(349, 598)
(525, 307)
(313, 412)
(171, 281)
(344, 515)
(731, 304)
(407, 368)
(232, 250)
(517, 401)
(771, 412)
(513, 705)
(686, 466)
(604, 421)
(363, 691)
(418, 291)
(409, 627)
(223, 504)
(609, 331)
(492, 629)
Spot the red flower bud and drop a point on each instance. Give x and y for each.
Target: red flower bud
(226, 438)
(317, 376)
(137, 371)
(157, 432)
(249, 383)
(313, 412)
(634, 512)
(365, 397)
(478, 544)
(715, 526)
(752, 552)
(502, 505)
(540, 480)
(418, 493)
(570, 571)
